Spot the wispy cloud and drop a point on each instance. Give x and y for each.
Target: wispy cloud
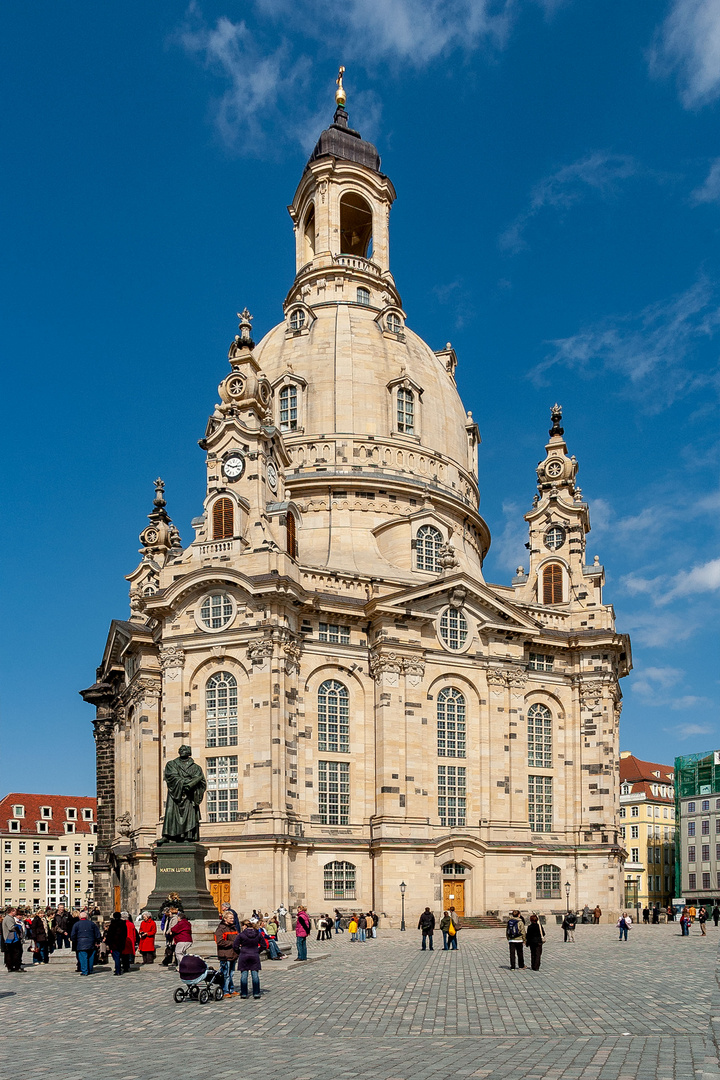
(688, 45)
(264, 72)
(690, 730)
(652, 351)
(704, 578)
(599, 173)
(657, 687)
(709, 190)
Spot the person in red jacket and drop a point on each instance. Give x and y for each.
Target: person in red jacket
(148, 930)
(182, 937)
(128, 951)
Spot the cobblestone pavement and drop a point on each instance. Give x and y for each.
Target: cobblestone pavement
(384, 1010)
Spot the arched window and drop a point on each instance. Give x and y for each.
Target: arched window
(539, 728)
(405, 410)
(427, 546)
(450, 723)
(547, 882)
(393, 323)
(451, 869)
(291, 534)
(334, 717)
(339, 880)
(552, 584)
(289, 402)
(309, 234)
(355, 226)
(363, 297)
(222, 518)
(217, 868)
(297, 319)
(221, 701)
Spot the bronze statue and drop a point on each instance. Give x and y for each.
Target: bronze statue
(186, 786)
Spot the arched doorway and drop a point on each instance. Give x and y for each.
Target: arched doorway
(454, 876)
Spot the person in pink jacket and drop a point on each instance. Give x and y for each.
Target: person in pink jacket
(182, 937)
(302, 929)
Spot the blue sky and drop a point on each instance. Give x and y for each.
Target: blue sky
(558, 175)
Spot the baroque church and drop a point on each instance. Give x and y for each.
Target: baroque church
(372, 716)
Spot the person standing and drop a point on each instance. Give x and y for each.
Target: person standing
(535, 936)
(716, 915)
(225, 936)
(116, 937)
(62, 925)
(362, 927)
(148, 930)
(624, 923)
(246, 945)
(130, 946)
(516, 934)
(568, 924)
(445, 924)
(236, 921)
(646, 916)
(596, 915)
(85, 935)
(684, 923)
(338, 923)
(426, 923)
(302, 930)
(12, 933)
(352, 927)
(182, 937)
(656, 915)
(702, 919)
(455, 920)
(40, 931)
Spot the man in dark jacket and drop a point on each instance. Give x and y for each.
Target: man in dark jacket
(426, 923)
(115, 937)
(85, 935)
(62, 926)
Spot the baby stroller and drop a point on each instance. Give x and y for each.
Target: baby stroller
(202, 981)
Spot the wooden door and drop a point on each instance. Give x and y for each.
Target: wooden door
(454, 896)
(220, 892)
(117, 898)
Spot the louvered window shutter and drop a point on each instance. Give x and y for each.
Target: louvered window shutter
(223, 520)
(552, 584)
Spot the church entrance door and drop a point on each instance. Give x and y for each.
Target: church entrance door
(220, 892)
(454, 896)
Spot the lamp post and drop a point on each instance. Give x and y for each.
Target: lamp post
(567, 896)
(403, 887)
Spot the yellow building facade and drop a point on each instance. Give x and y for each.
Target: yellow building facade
(647, 828)
(367, 708)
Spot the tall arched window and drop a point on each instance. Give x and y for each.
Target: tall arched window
(309, 233)
(552, 584)
(547, 882)
(427, 546)
(339, 880)
(222, 519)
(221, 701)
(450, 723)
(355, 226)
(333, 717)
(539, 728)
(405, 410)
(291, 534)
(289, 407)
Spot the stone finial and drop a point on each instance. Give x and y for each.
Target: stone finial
(159, 500)
(556, 417)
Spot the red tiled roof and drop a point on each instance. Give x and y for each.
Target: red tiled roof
(633, 769)
(55, 824)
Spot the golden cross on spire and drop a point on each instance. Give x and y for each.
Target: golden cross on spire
(340, 95)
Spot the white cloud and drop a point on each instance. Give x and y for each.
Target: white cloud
(688, 44)
(599, 173)
(689, 731)
(652, 350)
(656, 630)
(655, 688)
(700, 579)
(709, 190)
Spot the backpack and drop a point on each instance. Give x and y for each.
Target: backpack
(513, 929)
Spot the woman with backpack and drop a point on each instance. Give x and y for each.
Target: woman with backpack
(535, 937)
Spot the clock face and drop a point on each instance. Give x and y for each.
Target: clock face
(234, 466)
(554, 468)
(272, 476)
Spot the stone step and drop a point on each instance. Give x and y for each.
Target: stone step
(480, 922)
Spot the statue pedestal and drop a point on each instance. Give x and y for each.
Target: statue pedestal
(181, 869)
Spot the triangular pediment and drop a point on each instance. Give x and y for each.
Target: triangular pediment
(460, 590)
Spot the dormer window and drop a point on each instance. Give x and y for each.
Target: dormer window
(297, 319)
(14, 826)
(71, 813)
(289, 407)
(427, 548)
(42, 826)
(46, 811)
(87, 814)
(393, 323)
(69, 826)
(363, 297)
(405, 411)
(18, 811)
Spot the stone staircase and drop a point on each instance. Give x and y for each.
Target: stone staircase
(480, 922)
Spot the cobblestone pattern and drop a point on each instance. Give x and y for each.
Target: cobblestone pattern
(597, 1010)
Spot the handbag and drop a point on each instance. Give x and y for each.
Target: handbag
(451, 929)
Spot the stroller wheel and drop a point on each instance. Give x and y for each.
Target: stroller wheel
(179, 995)
(219, 995)
(204, 997)
(194, 993)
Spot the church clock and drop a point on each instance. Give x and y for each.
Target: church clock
(233, 466)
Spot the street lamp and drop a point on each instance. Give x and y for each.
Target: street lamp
(567, 896)
(403, 887)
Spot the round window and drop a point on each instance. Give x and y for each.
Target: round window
(216, 611)
(453, 628)
(554, 537)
